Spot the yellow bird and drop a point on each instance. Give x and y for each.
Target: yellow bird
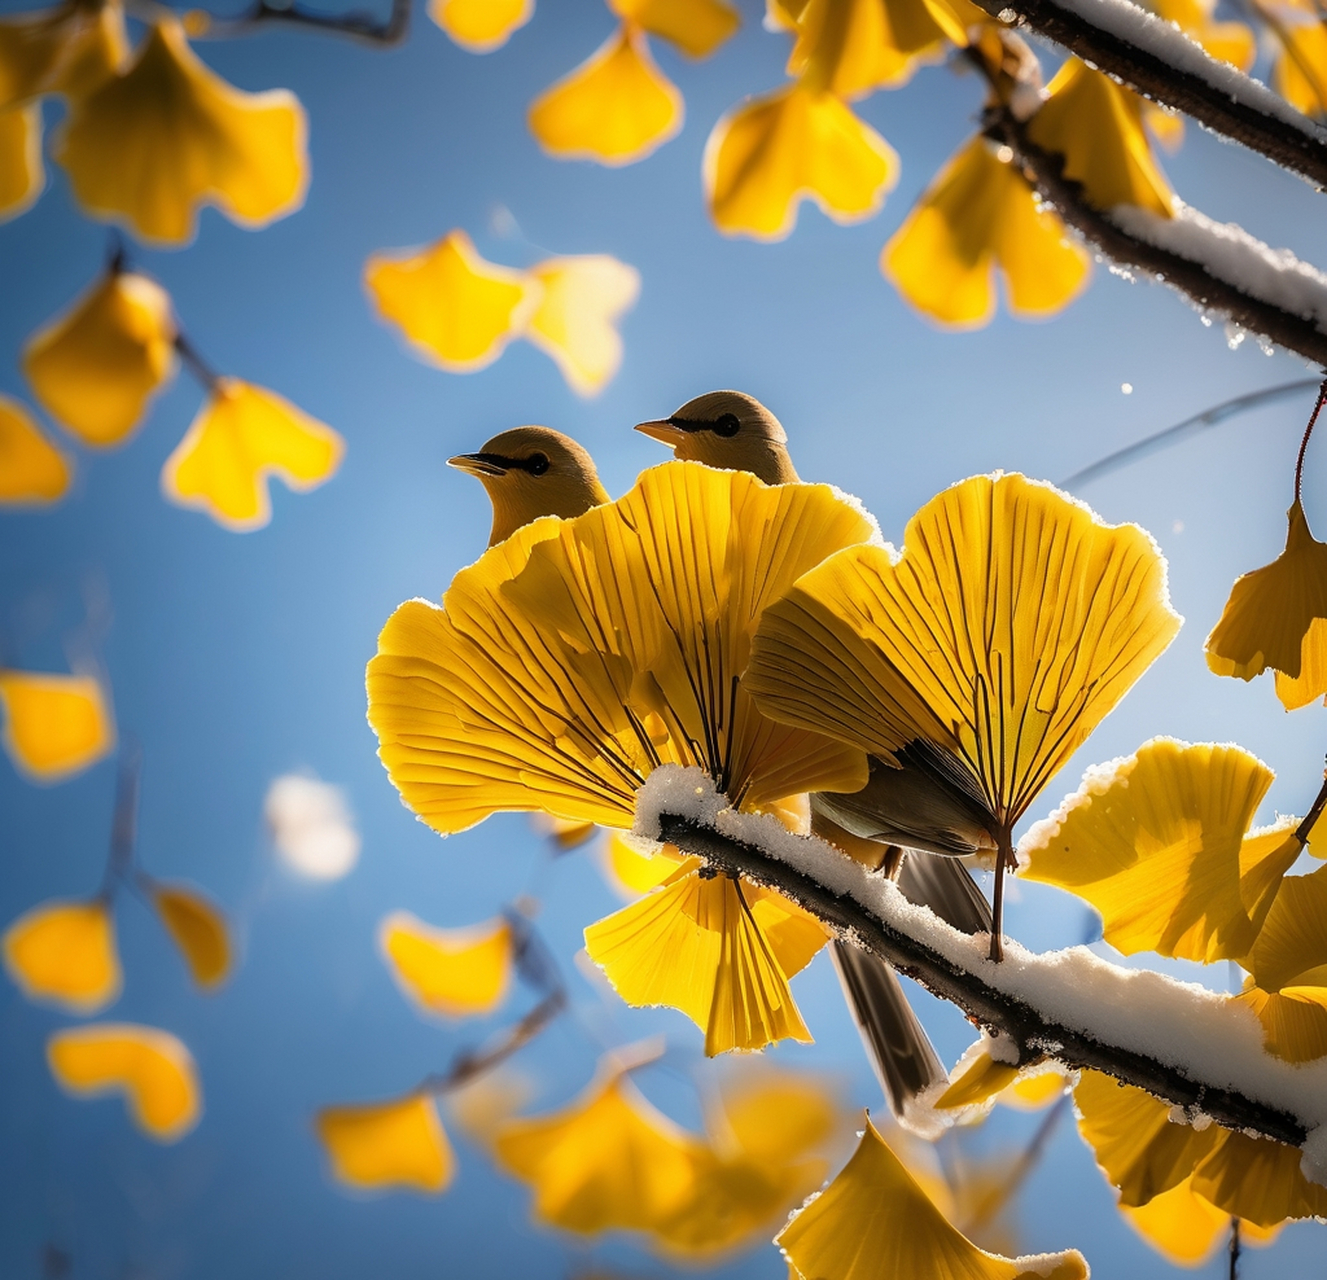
(925, 808)
(531, 472)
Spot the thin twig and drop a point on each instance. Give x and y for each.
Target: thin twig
(1234, 1249)
(472, 1063)
(1304, 443)
(124, 825)
(195, 363)
(358, 25)
(1027, 1161)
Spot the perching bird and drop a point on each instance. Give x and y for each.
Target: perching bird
(925, 808)
(531, 472)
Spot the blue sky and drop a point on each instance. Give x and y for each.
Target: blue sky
(235, 658)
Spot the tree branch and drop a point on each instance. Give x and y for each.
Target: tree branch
(358, 25)
(1157, 60)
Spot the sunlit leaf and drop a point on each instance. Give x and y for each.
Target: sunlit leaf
(95, 367)
(455, 972)
(697, 27)
(22, 175)
(979, 216)
(630, 872)
(977, 1082)
(480, 25)
(457, 310)
(874, 1220)
(1300, 73)
(151, 146)
(33, 472)
(1231, 42)
(198, 928)
(151, 1068)
(69, 48)
(242, 435)
(400, 1143)
(55, 725)
(1186, 1229)
(769, 154)
(616, 107)
(1259, 1181)
(64, 952)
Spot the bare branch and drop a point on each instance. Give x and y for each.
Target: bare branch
(357, 24)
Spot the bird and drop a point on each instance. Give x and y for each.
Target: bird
(912, 822)
(531, 472)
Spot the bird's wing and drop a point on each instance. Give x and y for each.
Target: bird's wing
(947, 887)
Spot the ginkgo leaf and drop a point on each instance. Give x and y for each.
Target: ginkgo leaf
(565, 835)
(455, 972)
(22, 175)
(400, 1143)
(95, 368)
(616, 107)
(1185, 1228)
(977, 1080)
(1012, 623)
(55, 725)
(1157, 843)
(768, 155)
(608, 1160)
(1277, 617)
(1097, 126)
(64, 952)
(697, 945)
(773, 1115)
(32, 470)
(580, 300)
(875, 1220)
(630, 872)
(198, 928)
(151, 1068)
(168, 135)
(457, 310)
(1258, 1180)
(1300, 73)
(978, 216)
(480, 25)
(69, 48)
(1231, 42)
(575, 657)
(242, 435)
(697, 27)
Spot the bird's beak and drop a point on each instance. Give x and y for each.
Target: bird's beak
(664, 431)
(478, 464)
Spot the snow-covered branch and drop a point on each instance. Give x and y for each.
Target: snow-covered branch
(1196, 1049)
(1159, 61)
(1219, 267)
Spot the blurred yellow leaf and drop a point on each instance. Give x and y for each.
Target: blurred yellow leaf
(55, 725)
(579, 301)
(480, 25)
(1231, 42)
(199, 930)
(979, 214)
(1300, 73)
(152, 1068)
(69, 48)
(457, 310)
(33, 472)
(95, 367)
(981, 1079)
(616, 107)
(1258, 1180)
(631, 873)
(22, 175)
(697, 27)
(455, 972)
(1185, 1229)
(152, 145)
(64, 952)
(241, 435)
(400, 1143)
(766, 156)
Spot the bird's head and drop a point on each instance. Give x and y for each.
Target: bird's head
(531, 472)
(729, 430)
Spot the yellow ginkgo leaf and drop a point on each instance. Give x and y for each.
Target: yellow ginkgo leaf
(1277, 617)
(457, 310)
(768, 155)
(64, 952)
(1258, 1181)
(198, 928)
(55, 725)
(1300, 73)
(33, 472)
(152, 145)
(480, 25)
(152, 1068)
(242, 435)
(1231, 42)
(400, 1143)
(875, 1220)
(1097, 126)
(69, 48)
(455, 972)
(1157, 843)
(1185, 1228)
(976, 1080)
(772, 1115)
(22, 175)
(1012, 623)
(697, 27)
(616, 107)
(697, 945)
(95, 367)
(565, 834)
(579, 302)
(1035, 1090)
(980, 214)
(608, 1160)
(631, 873)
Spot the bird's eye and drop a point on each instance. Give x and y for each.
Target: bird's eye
(727, 425)
(536, 464)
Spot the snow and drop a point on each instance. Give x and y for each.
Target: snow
(1203, 1035)
(1228, 253)
(311, 827)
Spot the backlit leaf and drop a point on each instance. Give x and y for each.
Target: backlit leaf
(64, 952)
(55, 725)
(22, 175)
(198, 928)
(379, 1145)
(33, 472)
(481, 25)
(454, 972)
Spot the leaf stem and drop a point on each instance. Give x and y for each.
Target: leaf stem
(1304, 443)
